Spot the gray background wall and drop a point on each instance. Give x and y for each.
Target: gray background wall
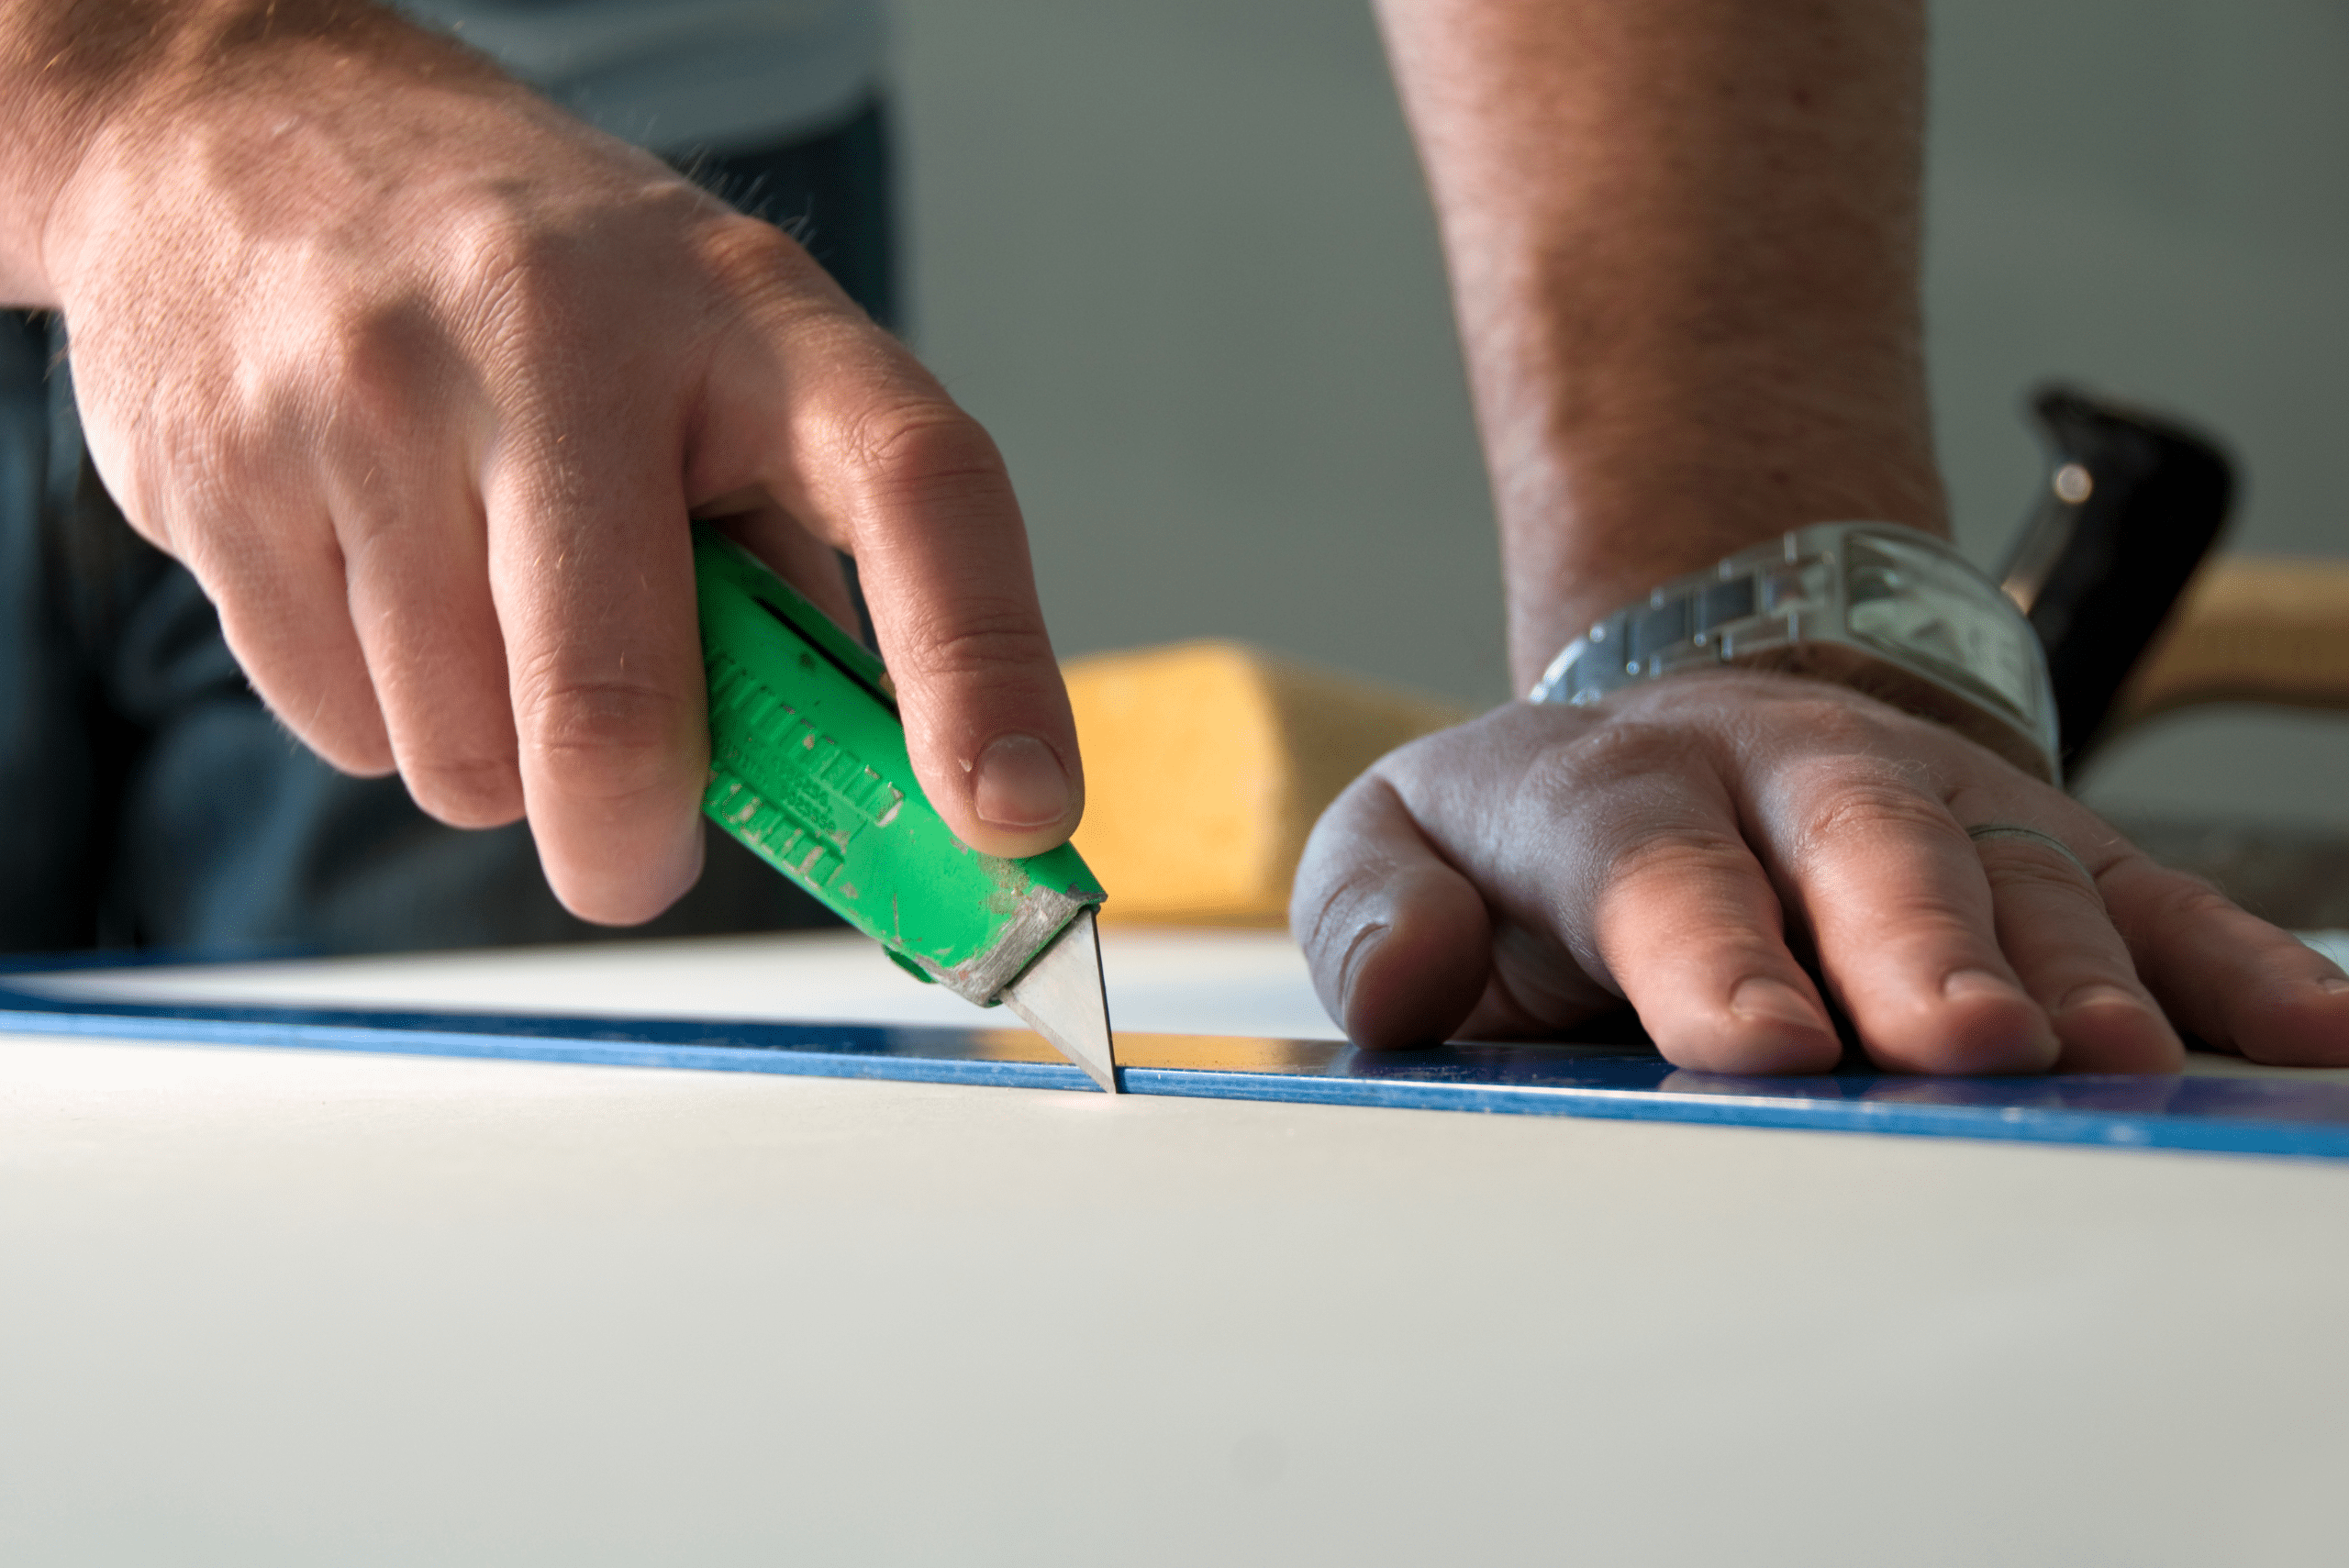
(1175, 253)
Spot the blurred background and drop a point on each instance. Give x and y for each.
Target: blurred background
(1176, 255)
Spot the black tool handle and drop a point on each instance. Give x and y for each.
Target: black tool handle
(2133, 504)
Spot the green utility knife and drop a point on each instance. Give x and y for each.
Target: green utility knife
(808, 767)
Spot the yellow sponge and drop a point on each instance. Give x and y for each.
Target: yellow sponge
(1206, 765)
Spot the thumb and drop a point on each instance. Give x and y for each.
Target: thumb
(1399, 942)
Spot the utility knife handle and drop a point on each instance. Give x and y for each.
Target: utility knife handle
(807, 768)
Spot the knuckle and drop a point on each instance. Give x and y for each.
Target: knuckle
(1869, 806)
(1700, 884)
(919, 445)
(513, 278)
(517, 264)
(604, 740)
(500, 254)
(981, 640)
(1678, 856)
(1622, 757)
(747, 258)
(2014, 868)
(2160, 896)
(379, 363)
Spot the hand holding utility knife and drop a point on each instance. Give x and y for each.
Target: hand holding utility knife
(809, 769)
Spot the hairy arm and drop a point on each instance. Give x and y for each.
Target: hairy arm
(1683, 238)
(88, 81)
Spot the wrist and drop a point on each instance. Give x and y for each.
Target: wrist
(62, 71)
(1626, 509)
(1883, 609)
(147, 98)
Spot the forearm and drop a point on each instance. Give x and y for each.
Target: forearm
(1682, 237)
(76, 78)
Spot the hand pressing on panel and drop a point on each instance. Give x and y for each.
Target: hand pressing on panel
(1683, 239)
(1701, 846)
(423, 380)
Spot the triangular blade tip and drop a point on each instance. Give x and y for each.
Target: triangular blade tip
(1064, 987)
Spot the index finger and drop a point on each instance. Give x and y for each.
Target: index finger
(857, 442)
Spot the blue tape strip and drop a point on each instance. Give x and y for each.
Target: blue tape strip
(2307, 1118)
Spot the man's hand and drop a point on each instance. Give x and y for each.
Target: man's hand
(423, 380)
(1691, 846)
(1682, 237)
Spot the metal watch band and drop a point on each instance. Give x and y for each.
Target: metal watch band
(1887, 609)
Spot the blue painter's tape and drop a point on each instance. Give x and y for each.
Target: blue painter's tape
(2298, 1117)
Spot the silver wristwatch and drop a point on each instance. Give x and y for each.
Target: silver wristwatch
(1885, 609)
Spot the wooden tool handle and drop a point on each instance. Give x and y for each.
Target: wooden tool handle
(2250, 628)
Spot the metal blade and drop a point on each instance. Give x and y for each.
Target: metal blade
(1061, 997)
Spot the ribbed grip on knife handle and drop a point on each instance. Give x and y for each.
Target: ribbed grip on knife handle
(809, 769)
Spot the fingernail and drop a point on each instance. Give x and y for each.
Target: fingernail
(1760, 997)
(2335, 985)
(1962, 984)
(2034, 1051)
(1019, 782)
(2099, 994)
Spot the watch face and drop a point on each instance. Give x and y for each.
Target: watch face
(1916, 606)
